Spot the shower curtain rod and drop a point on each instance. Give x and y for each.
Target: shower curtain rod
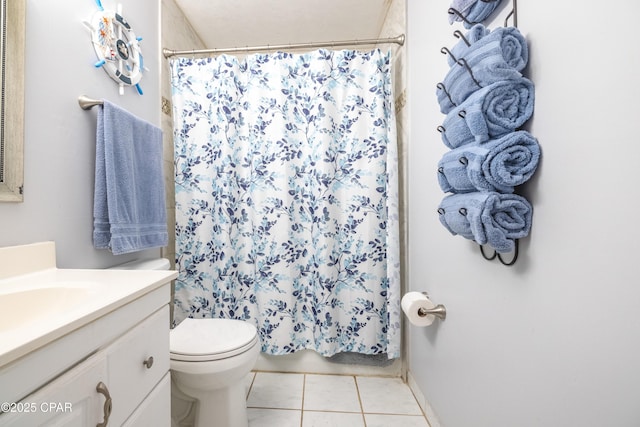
(397, 40)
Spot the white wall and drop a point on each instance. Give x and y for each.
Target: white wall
(554, 340)
(60, 137)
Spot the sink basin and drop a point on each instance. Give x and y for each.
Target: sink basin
(41, 304)
(22, 307)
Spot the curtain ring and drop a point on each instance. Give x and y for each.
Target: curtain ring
(441, 129)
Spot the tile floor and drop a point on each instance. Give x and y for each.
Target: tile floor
(310, 400)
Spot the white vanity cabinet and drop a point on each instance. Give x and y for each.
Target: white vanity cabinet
(75, 391)
(113, 371)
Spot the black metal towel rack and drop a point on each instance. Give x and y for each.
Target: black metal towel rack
(513, 14)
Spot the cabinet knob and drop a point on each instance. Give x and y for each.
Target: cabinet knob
(102, 389)
(149, 362)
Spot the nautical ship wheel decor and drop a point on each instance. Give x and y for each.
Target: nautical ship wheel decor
(117, 47)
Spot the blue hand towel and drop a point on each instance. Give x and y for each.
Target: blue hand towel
(460, 49)
(129, 198)
(500, 55)
(493, 218)
(497, 165)
(489, 113)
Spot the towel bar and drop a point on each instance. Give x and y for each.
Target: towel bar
(87, 103)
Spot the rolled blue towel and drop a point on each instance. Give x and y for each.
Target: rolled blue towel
(489, 113)
(493, 218)
(500, 55)
(480, 11)
(498, 165)
(460, 49)
(462, 6)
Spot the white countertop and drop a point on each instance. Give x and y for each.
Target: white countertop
(64, 310)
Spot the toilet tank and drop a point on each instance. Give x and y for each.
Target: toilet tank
(144, 264)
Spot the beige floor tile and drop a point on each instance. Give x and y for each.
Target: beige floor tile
(331, 419)
(278, 391)
(259, 417)
(378, 420)
(331, 393)
(386, 396)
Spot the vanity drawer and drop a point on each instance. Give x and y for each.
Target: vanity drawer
(137, 362)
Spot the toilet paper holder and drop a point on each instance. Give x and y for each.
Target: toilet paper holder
(439, 310)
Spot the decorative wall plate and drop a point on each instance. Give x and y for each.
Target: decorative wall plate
(117, 47)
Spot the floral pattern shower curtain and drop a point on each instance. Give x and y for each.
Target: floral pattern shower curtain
(287, 198)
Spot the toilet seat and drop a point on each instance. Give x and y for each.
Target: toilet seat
(202, 340)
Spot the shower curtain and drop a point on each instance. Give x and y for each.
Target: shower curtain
(287, 198)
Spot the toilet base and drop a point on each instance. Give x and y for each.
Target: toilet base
(183, 408)
(225, 407)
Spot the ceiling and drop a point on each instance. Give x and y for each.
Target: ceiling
(240, 23)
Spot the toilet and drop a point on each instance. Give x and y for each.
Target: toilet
(210, 359)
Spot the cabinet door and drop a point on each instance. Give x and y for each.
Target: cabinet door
(156, 409)
(137, 361)
(71, 400)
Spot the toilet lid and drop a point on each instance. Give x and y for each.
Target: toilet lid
(211, 339)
